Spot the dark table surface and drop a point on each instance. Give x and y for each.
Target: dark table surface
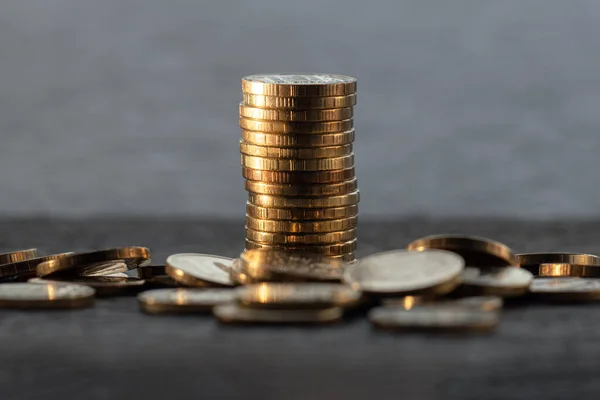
(113, 351)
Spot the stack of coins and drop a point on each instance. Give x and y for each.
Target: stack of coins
(298, 162)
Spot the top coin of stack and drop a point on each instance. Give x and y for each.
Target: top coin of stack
(298, 162)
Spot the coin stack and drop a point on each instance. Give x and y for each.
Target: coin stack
(298, 162)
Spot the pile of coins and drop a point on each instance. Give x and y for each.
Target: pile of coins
(298, 162)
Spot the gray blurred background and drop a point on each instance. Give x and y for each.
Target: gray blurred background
(466, 108)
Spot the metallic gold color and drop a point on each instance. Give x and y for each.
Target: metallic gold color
(183, 301)
(286, 164)
(301, 213)
(334, 114)
(22, 255)
(298, 178)
(299, 128)
(263, 200)
(532, 261)
(295, 153)
(297, 295)
(199, 270)
(233, 313)
(330, 225)
(238, 274)
(45, 296)
(306, 239)
(105, 286)
(344, 251)
(26, 269)
(571, 270)
(477, 251)
(315, 190)
(294, 103)
(299, 85)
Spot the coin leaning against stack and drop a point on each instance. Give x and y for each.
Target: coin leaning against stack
(298, 163)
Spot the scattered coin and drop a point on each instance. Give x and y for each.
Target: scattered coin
(484, 303)
(79, 263)
(477, 251)
(333, 114)
(407, 302)
(47, 295)
(404, 272)
(496, 281)
(26, 269)
(532, 261)
(105, 286)
(178, 301)
(573, 270)
(234, 313)
(306, 103)
(18, 256)
(200, 270)
(566, 289)
(299, 85)
(297, 295)
(298, 165)
(434, 318)
(276, 189)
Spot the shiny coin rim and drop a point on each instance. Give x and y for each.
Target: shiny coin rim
(519, 286)
(234, 313)
(182, 274)
(274, 189)
(297, 133)
(317, 85)
(291, 103)
(275, 226)
(298, 165)
(270, 114)
(84, 299)
(299, 177)
(154, 305)
(290, 295)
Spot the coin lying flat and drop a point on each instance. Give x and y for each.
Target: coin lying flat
(27, 268)
(566, 289)
(297, 295)
(178, 301)
(266, 264)
(104, 285)
(234, 313)
(532, 261)
(47, 295)
(315, 190)
(434, 318)
(297, 133)
(307, 238)
(200, 270)
(18, 256)
(403, 272)
(484, 303)
(331, 225)
(496, 281)
(304, 103)
(298, 177)
(333, 114)
(299, 85)
(477, 251)
(263, 200)
(79, 263)
(330, 250)
(572, 270)
(298, 165)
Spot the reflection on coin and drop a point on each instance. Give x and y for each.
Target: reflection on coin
(298, 165)
(238, 275)
(298, 177)
(572, 270)
(297, 133)
(299, 85)
(403, 272)
(300, 239)
(297, 295)
(26, 269)
(476, 251)
(199, 270)
(301, 213)
(532, 261)
(162, 301)
(303, 103)
(79, 263)
(434, 318)
(484, 303)
(233, 313)
(263, 200)
(407, 302)
(105, 268)
(47, 295)
(496, 281)
(332, 114)
(566, 289)
(18, 256)
(333, 250)
(276, 189)
(331, 225)
(105, 285)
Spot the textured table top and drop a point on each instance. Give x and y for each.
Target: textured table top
(113, 351)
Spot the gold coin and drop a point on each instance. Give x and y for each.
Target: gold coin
(404, 272)
(104, 286)
(434, 318)
(316, 238)
(295, 153)
(532, 261)
(334, 114)
(239, 275)
(47, 295)
(18, 256)
(301, 213)
(180, 301)
(291, 103)
(264, 200)
(294, 133)
(566, 289)
(278, 265)
(233, 313)
(200, 270)
(26, 269)
(297, 295)
(343, 251)
(78, 263)
(298, 178)
(477, 251)
(331, 225)
(287, 164)
(104, 268)
(496, 281)
(483, 303)
(299, 85)
(317, 190)
(572, 270)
